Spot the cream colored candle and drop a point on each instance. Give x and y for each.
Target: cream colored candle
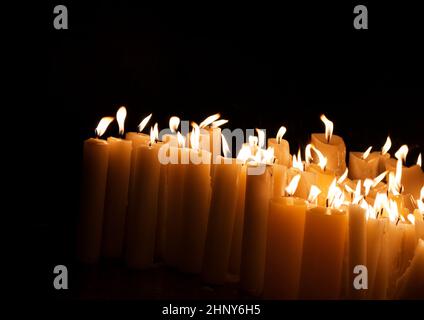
(395, 234)
(363, 165)
(173, 230)
(357, 246)
(408, 244)
(411, 284)
(95, 164)
(195, 212)
(162, 212)
(236, 241)
(116, 199)
(323, 251)
(281, 147)
(284, 247)
(258, 193)
(331, 146)
(221, 222)
(375, 230)
(142, 213)
(381, 283)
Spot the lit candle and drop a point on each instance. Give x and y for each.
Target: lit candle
(116, 198)
(142, 212)
(196, 203)
(332, 147)
(179, 157)
(357, 245)
(258, 193)
(284, 245)
(236, 241)
(363, 165)
(281, 147)
(95, 164)
(221, 218)
(412, 178)
(323, 251)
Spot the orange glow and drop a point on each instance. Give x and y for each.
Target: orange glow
(313, 194)
(218, 123)
(342, 177)
(366, 153)
(419, 160)
(387, 145)
(195, 136)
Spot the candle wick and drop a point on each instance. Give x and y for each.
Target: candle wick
(326, 203)
(398, 219)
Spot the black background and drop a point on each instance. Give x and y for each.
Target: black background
(259, 65)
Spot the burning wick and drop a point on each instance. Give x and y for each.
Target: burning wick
(329, 126)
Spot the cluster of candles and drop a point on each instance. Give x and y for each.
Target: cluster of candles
(283, 227)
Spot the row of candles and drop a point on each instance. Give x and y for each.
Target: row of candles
(284, 227)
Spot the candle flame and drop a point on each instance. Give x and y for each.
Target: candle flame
(209, 120)
(244, 153)
(379, 178)
(103, 124)
(174, 122)
(313, 194)
(419, 160)
(181, 140)
(268, 155)
(322, 161)
(329, 126)
(225, 148)
(422, 193)
(387, 145)
(411, 218)
(368, 183)
(253, 141)
(366, 153)
(335, 196)
(218, 123)
(261, 138)
(402, 152)
(342, 177)
(398, 175)
(195, 136)
(308, 153)
(297, 163)
(394, 184)
(121, 114)
(281, 133)
(144, 122)
(380, 202)
(154, 134)
(349, 189)
(292, 186)
(357, 197)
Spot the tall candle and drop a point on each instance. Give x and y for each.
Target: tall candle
(323, 250)
(116, 199)
(375, 230)
(284, 247)
(95, 164)
(357, 246)
(279, 179)
(237, 237)
(258, 193)
(221, 222)
(173, 230)
(195, 212)
(142, 213)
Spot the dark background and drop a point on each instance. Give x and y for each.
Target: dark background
(258, 65)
